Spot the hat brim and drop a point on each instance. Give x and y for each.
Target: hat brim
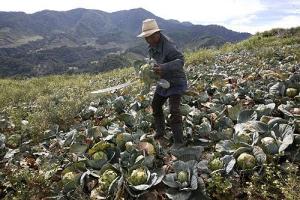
(148, 33)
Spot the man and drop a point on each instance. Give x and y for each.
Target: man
(169, 67)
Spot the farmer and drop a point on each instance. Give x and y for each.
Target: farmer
(169, 67)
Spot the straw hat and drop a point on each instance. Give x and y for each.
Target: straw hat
(149, 27)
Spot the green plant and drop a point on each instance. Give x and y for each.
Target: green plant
(203, 56)
(27, 184)
(291, 186)
(275, 182)
(219, 187)
(246, 161)
(56, 99)
(215, 164)
(138, 177)
(183, 181)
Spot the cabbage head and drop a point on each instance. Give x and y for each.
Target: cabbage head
(182, 176)
(244, 137)
(68, 177)
(291, 92)
(228, 132)
(148, 147)
(147, 74)
(215, 164)
(140, 179)
(100, 155)
(129, 146)
(270, 145)
(122, 138)
(107, 178)
(246, 161)
(138, 176)
(265, 119)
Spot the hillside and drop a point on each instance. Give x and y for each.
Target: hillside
(241, 124)
(82, 40)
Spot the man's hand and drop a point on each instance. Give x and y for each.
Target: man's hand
(157, 69)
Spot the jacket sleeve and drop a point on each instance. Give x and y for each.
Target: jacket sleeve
(174, 60)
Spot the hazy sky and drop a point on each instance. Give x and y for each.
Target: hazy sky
(239, 15)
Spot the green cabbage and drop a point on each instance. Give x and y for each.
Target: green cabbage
(182, 176)
(147, 74)
(265, 119)
(107, 178)
(122, 138)
(228, 132)
(244, 137)
(291, 92)
(246, 161)
(129, 146)
(68, 177)
(148, 147)
(270, 145)
(138, 176)
(215, 164)
(99, 155)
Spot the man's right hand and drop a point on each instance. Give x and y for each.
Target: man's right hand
(157, 69)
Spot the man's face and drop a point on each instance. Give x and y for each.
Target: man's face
(153, 39)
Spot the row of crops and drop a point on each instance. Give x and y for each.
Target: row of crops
(241, 115)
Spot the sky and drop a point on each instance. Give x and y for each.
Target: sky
(239, 15)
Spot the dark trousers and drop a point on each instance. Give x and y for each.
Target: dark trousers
(176, 117)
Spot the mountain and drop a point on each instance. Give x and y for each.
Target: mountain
(48, 41)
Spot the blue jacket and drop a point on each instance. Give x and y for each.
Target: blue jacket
(171, 62)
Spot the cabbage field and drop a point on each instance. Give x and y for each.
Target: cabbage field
(241, 118)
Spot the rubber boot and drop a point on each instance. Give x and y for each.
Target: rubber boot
(158, 114)
(178, 136)
(159, 124)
